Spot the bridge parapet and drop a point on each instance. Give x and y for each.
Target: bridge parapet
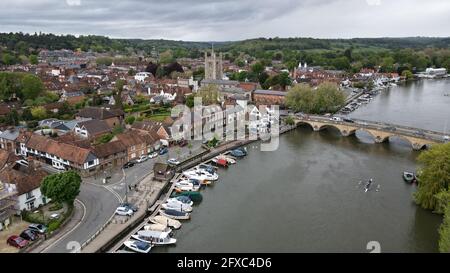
(380, 132)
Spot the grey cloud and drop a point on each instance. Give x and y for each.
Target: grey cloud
(227, 19)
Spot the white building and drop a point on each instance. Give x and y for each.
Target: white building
(141, 76)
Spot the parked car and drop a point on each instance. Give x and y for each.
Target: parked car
(446, 138)
(142, 158)
(173, 161)
(54, 216)
(124, 211)
(23, 162)
(183, 143)
(29, 235)
(39, 228)
(58, 167)
(17, 241)
(349, 120)
(128, 165)
(129, 206)
(163, 151)
(336, 119)
(152, 155)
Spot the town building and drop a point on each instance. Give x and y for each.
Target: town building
(213, 66)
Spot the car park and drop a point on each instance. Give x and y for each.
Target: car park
(17, 241)
(124, 211)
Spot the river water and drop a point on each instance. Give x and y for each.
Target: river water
(306, 197)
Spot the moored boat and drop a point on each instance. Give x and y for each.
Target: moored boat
(409, 177)
(157, 227)
(138, 246)
(183, 199)
(198, 174)
(175, 214)
(154, 237)
(195, 196)
(163, 220)
(177, 205)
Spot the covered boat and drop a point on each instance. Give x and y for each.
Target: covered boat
(157, 227)
(163, 220)
(175, 214)
(196, 197)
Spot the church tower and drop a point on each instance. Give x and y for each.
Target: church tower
(213, 66)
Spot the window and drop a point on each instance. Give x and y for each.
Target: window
(30, 206)
(29, 195)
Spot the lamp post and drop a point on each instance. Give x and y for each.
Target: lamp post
(126, 186)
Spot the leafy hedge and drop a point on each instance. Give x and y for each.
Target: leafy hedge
(444, 233)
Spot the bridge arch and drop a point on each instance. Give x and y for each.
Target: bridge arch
(308, 124)
(342, 129)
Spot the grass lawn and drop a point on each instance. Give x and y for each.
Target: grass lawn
(158, 117)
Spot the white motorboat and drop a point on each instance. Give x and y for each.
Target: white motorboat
(186, 185)
(227, 158)
(157, 227)
(138, 246)
(163, 220)
(176, 205)
(175, 214)
(154, 237)
(201, 175)
(183, 199)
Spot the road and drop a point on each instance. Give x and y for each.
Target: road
(100, 200)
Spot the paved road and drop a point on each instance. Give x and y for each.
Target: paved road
(101, 200)
(99, 205)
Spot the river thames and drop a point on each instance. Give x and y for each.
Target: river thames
(306, 196)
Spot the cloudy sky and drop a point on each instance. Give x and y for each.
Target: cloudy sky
(223, 20)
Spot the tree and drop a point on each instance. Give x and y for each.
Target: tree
(408, 74)
(434, 175)
(444, 232)
(166, 57)
(8, 59)
(290, 121)
(130, 120)
(62, 187)
(26, 114)
(32, 87)
(209, 94)
(328, 98)
(34, 59)
(190, 101)
(117, 93)
(300, 98)
(39, 112)
(12, 118)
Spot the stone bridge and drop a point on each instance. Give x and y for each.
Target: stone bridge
(381, 132)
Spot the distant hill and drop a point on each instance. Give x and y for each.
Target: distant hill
(103, 44)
